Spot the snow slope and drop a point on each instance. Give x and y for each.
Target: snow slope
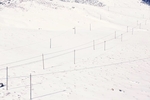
(75, 51)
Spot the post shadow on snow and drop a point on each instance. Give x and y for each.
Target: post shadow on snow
(93, 67)
(25, 86)
(146, 2)
(49, 94)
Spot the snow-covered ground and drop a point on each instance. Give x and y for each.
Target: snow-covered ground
(75, 51)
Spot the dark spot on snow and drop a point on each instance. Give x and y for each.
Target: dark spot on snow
(1, 3)
(112, 89)
(1, 85)
(121, 90)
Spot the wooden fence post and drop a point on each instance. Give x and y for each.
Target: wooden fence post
(6, 78)
(30, 87)
(90, 27)
(50, 43)
(43, 61)
(132, 31)
(93, 44)
(108, 8)
(74, 30)
(74, 56)
(100, 17)
(115, 35)
(140, 25)
(104, 45)
(121, 36)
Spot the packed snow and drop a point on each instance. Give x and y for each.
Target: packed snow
(56, 50)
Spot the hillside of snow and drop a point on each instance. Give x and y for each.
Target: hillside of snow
(64, 50)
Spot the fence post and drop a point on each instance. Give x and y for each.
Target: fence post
(115, 34)
(140, 25)
(6, 78)
(74, 56)
(121, 37)
(90, 27)
(50, 43)
(132, 31)
(104, 45)
(108, 8)
(30, 87)
(74, 30)
(43, 61)
(93, 44)
(100, 17)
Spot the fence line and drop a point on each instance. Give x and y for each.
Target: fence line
(50, 53)
(39, 42)
(61, 51)
(57, 52)
(70, 70)
(124, 62)
(44, 54)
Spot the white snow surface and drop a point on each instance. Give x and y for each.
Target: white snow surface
(75, 51)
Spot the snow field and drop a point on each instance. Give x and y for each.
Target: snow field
(119, 71)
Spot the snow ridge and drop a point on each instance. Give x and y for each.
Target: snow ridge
(91, 2)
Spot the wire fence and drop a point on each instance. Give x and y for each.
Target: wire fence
(84, 46)
(60, 53)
